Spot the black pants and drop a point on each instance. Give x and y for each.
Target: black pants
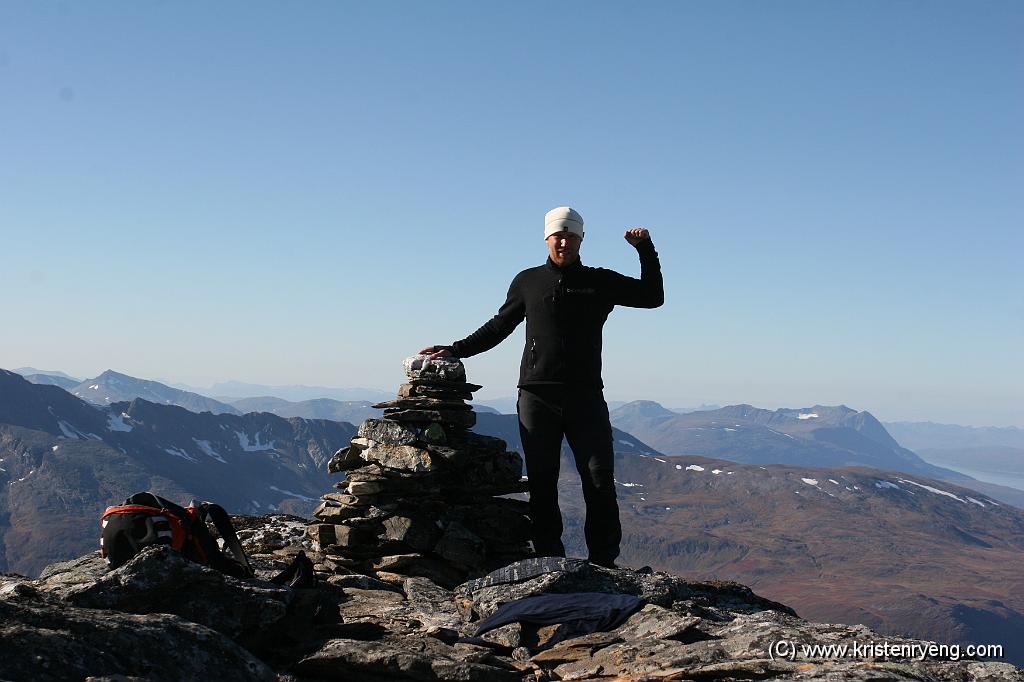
(546, 413)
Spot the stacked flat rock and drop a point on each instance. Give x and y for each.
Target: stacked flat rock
(420, 495)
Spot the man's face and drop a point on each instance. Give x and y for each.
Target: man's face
(564, 248)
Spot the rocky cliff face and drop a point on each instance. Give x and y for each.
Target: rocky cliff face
(161, 617)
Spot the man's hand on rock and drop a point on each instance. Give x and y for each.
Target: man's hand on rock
(636, 235)
(436, 352)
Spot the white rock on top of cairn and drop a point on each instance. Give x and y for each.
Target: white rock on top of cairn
(420, 492)
(437, 369)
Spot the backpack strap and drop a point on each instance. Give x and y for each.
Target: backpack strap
(222, 522)
(130, 509)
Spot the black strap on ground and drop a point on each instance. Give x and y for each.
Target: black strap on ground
(222, 522)
(300, 573)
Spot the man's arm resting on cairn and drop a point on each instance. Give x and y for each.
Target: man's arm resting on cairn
(490, 333)
(437, 352)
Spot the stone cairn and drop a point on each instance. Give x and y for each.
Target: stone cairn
(420, 495)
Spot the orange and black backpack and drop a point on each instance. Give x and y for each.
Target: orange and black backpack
(148, 519)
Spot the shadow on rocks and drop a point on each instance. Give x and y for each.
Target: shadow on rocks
(267, 619)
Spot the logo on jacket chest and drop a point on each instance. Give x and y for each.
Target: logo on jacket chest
(581, 290)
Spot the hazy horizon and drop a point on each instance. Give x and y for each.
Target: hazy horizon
(484, 396)
(307, 194)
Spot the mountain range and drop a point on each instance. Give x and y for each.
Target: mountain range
(818, 435)
(111, 387)
(932, 436)
(63, 460)
(506, 427)
(353, 411)
(294, 393)
(507, 405)
(24, 371)
(52, 380)
(829, 436)
(994, 454)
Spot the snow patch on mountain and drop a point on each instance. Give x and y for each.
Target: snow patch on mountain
(117, 423)
(10, 483)
(888, 484)
(298, 495)
(180, 453)
(248, 446)
(208, 450)
(68, 430)
(933, 490)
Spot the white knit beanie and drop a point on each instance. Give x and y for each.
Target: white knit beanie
(562, 219)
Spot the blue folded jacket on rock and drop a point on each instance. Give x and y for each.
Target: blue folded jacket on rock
(580, 612)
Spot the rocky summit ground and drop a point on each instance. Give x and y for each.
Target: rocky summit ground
(161, 617)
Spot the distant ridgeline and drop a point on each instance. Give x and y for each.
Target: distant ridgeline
(815, 436)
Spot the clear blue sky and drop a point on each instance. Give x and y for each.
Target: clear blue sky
(308, 192)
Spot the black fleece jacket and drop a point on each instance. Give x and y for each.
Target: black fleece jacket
(565, 310)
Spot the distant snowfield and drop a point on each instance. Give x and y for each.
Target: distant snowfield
(288, 492)
(208, 450)
(782, 434)
(882, 484)
(933, 490)
(180, 453)
(248, 446)
(68, 430)
(116, 423)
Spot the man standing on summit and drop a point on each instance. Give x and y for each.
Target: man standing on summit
(565, 304)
